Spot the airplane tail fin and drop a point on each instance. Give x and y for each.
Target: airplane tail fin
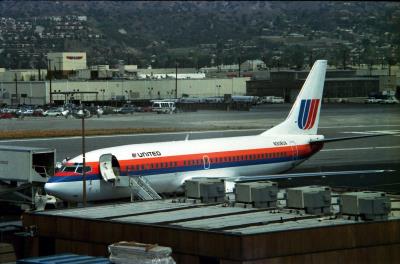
(303, 118)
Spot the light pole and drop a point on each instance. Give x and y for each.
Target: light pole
(16, 90)
(176, 79)
(103, 91)
(218, 86)
(81, 113)
(49, 76)
(150, 91)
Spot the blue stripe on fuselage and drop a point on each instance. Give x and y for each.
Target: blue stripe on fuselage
(301, 113)
(306, 111)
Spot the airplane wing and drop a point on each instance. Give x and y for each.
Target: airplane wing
(301, 175)
(327, 140)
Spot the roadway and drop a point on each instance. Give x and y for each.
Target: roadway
(336, 121)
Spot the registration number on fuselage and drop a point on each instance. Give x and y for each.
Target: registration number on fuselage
(280, 143)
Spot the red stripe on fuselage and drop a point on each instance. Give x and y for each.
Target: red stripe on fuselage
(315, 112)
(310, 114)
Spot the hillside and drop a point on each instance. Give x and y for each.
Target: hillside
(194, 33)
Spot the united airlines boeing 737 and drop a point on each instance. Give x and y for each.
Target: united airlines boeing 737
(165, 166)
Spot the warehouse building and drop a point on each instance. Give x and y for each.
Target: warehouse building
(338, 84)
(38, 92)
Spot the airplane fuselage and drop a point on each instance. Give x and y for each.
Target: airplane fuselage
(167, 165)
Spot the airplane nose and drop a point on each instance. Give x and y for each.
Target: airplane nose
(51, 188)
(59, 190)
(64, 190)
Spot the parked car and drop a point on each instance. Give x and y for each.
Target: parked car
(390, 100)
(372, 100)
(25, 112)
(126, 109)
(12, 110)
(38, 112)
(146, 109)
(107, 110)
(53, 112)
(6, 115)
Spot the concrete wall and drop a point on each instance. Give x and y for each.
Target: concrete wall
(22, 75)
(151, 89)
(28, 93)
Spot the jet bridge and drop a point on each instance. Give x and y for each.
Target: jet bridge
(23, 173)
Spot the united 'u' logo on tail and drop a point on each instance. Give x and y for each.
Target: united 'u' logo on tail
(308, 113)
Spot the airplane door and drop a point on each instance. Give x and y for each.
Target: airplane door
(295, 151)
(106, 167)
(206, 162)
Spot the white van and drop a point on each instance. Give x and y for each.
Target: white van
(165, 107)
(272, 100)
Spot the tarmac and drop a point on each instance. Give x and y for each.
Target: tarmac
(337, 120)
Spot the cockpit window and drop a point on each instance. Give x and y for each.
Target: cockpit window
(87, 169)
(76, 168)
(69, 169)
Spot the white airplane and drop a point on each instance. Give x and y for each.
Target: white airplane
(167, 165)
